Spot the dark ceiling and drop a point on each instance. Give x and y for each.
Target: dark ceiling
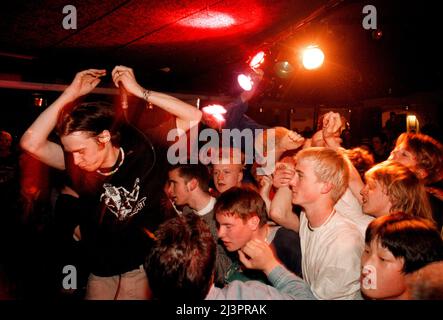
(196, 46)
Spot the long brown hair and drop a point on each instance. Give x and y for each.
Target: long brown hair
(404, 189)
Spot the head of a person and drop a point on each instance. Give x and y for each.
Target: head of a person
(390, 187)
(392, 115)
(397, 245)
(379, 142)
(420, 153)
(427, 283)
(321, 173)
(181, 263)
(227, 169)
(183, 179)
(361, 158)
(240, 214)
(88, 131)
(5, 140)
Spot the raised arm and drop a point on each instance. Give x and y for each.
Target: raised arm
(35, 139)
(331, 135)
(257, 254)
(281, 205)
(186, 115)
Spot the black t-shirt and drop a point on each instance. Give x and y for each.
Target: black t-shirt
(121, 210)
(287, 246)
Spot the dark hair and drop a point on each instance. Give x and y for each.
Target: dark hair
(427, 282)
(181, 263)
(199, 171)
(414, 239)
(243, 202)
(91, 117)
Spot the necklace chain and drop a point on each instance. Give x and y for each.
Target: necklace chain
(116, 169)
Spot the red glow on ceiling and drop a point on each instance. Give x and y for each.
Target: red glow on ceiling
(209, 20)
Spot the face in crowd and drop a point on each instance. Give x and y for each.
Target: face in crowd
(226, 176)
(89, 152)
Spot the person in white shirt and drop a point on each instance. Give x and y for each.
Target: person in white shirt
(331, 244)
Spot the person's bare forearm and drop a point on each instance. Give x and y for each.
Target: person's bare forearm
(281, 209)
(39, 131)
(35, 139)
(186, 114)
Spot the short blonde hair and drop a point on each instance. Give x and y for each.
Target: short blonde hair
(404, 189)
(329, 166)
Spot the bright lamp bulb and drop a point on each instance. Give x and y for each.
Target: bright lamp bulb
(245, 82)
(257, 60)
(214, 109)
(313, 57)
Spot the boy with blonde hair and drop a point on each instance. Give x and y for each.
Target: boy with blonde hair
(331, 244)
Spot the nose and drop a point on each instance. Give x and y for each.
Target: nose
(169, 190)
(293, 182)
(220, 232)
(77, 159)
(220, 176)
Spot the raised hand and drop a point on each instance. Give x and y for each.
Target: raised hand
(331, 131)
(284, 172)
(257, 254)
(125, 76)
(84, 82)
(291, 141)
(331, 125)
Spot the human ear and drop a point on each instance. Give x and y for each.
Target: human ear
(326, 187)
(104, 136)
(192, 184)
(253, 222)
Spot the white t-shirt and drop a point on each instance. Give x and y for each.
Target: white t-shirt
(350, 208)
(331, 257)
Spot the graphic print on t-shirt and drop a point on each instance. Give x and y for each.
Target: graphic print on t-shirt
(122, 203)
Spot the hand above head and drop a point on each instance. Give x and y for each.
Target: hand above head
(291, 141)
(284, 172)
(265, 183)
(125, 76)
(84, 82)
(332, 125)
(257, 254)
(331, 131)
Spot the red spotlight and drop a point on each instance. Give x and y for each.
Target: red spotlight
(215, 111)
(257, 60)
(245, 82)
